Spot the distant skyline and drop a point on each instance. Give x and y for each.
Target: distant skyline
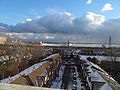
(15, 11)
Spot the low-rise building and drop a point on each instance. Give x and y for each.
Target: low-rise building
(3, 40)
(40, 74)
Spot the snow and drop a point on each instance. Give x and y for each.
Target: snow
(101, 58)
(99, 78)
(4, 58)
(78, 80)
(106, 87)
(58, 81)
(26, 71)
(50, 56)
(71, 85)
(94, 65)
(95, 76)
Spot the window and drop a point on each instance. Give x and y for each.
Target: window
(38, 81)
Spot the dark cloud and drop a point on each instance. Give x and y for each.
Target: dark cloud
(4, 27)
(62, 22)
(64, 26)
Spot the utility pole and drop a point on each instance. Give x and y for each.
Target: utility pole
(110, 40)
(110, 48)
(68, 44)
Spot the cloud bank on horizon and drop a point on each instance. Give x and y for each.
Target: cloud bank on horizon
(62, 22)
(63, 26)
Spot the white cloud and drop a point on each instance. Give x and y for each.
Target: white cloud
(38, 17)
(89, 2)
(64, 26)
(61, 22)
(49, 37)
(27, 20)
(94, 18)
(89, 22)
(52, 10)
(107, 7)
(65, 13)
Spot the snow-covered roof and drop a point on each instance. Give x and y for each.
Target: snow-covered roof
(51, 56)
(26, 71)
(101, 58)
(95, 77)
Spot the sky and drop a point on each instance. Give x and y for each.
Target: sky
(91, 21)
(14, 11)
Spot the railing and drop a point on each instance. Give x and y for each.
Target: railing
(21, 87)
